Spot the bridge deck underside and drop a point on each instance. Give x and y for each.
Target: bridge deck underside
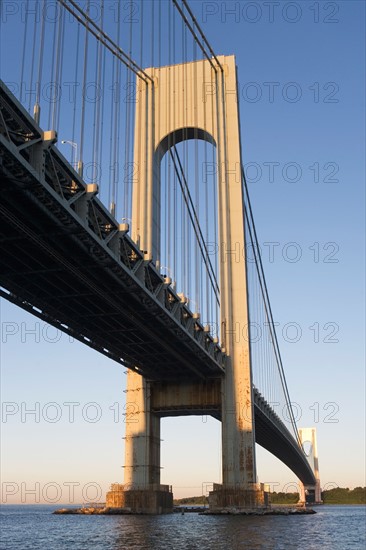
(271, 436)
(48, 264)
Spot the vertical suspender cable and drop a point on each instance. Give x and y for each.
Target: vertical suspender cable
(193, 217)
(104, 91)
(24, 50)
(37, 106)
(118, 116)
(51, 105)
(57, 72)
(129, 170)
(111, 167)
(60, 72)
(34, 49)
(97, 104)
(74, 98)
(215, 189)
(83, 93)
(197, 267)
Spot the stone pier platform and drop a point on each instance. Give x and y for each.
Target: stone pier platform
(154, 500)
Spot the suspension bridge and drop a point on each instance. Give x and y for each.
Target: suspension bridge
(126, 222)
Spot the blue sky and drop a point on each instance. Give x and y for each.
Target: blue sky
(312, 211)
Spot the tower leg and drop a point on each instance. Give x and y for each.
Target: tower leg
(239, 489)
(308, 436)
(141, 491)
(318, 493)
(302, 494)
(314, 493)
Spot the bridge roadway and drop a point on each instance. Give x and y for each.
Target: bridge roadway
(65, 259)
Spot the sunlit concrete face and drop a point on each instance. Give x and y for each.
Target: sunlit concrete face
(180, 102)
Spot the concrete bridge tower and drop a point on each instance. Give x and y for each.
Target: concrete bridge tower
(197, 100)
(309, 445)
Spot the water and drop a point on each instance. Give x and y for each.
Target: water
(34, 527)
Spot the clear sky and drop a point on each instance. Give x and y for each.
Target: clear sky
(302, 89)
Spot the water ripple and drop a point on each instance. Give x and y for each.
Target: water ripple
(34, 527)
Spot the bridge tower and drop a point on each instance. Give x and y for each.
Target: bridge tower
(194, 100)
(309, 445)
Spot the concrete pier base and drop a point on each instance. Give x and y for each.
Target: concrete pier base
(225, 499)
(141, 501)
(310, 494)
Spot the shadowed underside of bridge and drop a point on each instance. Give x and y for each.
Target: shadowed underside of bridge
(65, 259)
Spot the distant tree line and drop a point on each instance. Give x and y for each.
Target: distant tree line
(191, 501)
(339, 495)
(284, 498)
(345, 496)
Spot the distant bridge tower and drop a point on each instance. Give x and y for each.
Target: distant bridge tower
(196, 100)
(309, 445)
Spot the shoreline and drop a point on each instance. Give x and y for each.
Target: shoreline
(279, 511)
(64, 505)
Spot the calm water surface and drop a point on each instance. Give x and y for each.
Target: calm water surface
(34, 527)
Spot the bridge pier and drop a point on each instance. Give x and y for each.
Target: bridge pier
(224, 498)
(239, 489)
(146, 403)
(141, 491)
(141, 501)
(310, 494)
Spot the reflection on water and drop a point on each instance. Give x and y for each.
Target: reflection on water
(34, 527)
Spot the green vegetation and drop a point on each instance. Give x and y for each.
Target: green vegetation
(191, 501)
(284, 498)
(333, 496)
(345, 496)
